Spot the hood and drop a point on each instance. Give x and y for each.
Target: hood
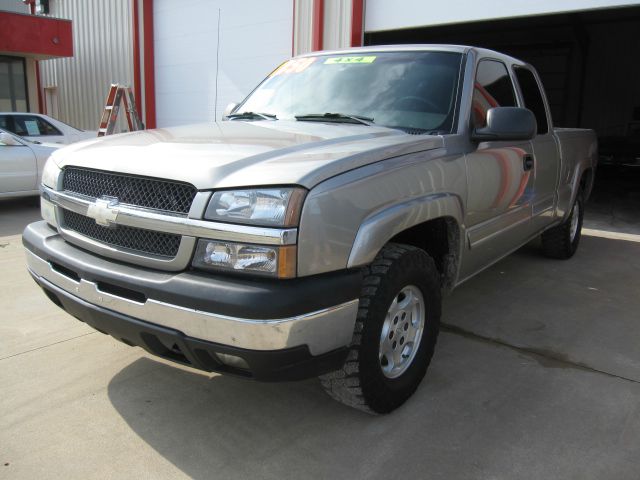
(238, 153)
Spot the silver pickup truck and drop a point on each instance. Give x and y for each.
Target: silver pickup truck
(314, 231)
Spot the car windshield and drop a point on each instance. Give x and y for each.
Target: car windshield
(17, 137)
(413, 90)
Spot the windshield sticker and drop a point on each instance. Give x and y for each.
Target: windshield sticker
(335, 60)
(296, 65)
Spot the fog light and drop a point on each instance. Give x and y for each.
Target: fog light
(233, 361)
(258, 259)
(48, 212)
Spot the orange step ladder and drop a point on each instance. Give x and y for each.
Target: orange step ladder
(119, 94)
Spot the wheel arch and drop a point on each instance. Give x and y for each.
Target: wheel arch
(431, 223)
(587, 178)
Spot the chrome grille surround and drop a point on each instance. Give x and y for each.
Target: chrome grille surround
(136, 244)
(187, 227)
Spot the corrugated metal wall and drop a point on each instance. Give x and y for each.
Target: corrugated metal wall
(215, 52)
(336, 28)
(103, 54)
(337, 24)
(302, 26)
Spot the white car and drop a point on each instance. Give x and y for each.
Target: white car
(36, 126)
(21, 164)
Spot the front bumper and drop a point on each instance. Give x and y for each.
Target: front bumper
(281, 329)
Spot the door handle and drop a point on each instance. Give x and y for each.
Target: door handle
(527, 162)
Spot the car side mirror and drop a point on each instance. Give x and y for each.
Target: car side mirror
(230, 108)
(507, 123)
(9, 140)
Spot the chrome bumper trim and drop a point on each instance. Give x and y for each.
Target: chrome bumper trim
(177, 224)
(322, 331)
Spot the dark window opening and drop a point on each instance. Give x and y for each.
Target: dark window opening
(532, 97)
(492, 88)
(13, 85)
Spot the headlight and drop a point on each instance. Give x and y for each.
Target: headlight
(258, 259)
(50, 174)
(267, 207)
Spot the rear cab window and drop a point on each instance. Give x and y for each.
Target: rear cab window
(492, 88)
(532, 97)
(4, 123)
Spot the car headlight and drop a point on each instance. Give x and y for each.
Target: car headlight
(271, 261)
(266, 207)
(50, 174)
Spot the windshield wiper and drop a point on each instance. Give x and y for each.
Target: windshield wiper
(252, 115)
(335, 117)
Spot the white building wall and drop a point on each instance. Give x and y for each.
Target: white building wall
(102, 54)
(16, 6)
(195, 79)
(336, 32)
(390, 15)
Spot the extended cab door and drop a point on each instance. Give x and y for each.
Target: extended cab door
(545, 149)
(499, 176)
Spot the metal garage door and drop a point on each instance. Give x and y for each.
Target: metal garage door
(209, 53)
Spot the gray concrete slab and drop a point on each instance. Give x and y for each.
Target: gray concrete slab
(28, 318)
(615, 202)
(544, 385)
(584, 311)
(95, 409)
(18, 213)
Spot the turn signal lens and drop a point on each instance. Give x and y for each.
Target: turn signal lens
(277, 262)
(48, 212)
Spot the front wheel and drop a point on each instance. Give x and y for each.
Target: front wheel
(562, 241)
(395, 332)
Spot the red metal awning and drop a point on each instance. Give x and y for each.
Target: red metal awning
(35, 36)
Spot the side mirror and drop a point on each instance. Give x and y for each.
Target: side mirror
(507, 123)
(9, 140)
(228, 110)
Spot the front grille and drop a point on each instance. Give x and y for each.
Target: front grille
(140, 191)
(145, 241)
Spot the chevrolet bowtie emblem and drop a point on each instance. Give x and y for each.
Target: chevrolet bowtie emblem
(104, 211)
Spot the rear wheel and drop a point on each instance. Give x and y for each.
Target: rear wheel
(562, 241)
(395, 332)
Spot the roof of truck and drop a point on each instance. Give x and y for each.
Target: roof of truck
(418, 47)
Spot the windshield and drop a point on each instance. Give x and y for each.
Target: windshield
(16, 137)
(409, 90)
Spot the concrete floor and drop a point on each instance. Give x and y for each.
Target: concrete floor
(536, 375)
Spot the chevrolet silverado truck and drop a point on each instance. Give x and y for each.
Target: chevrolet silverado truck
(314, 231)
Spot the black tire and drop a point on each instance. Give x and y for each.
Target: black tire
(557, 242)
(361, 382)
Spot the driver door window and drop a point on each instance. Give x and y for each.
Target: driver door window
(492, 88)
